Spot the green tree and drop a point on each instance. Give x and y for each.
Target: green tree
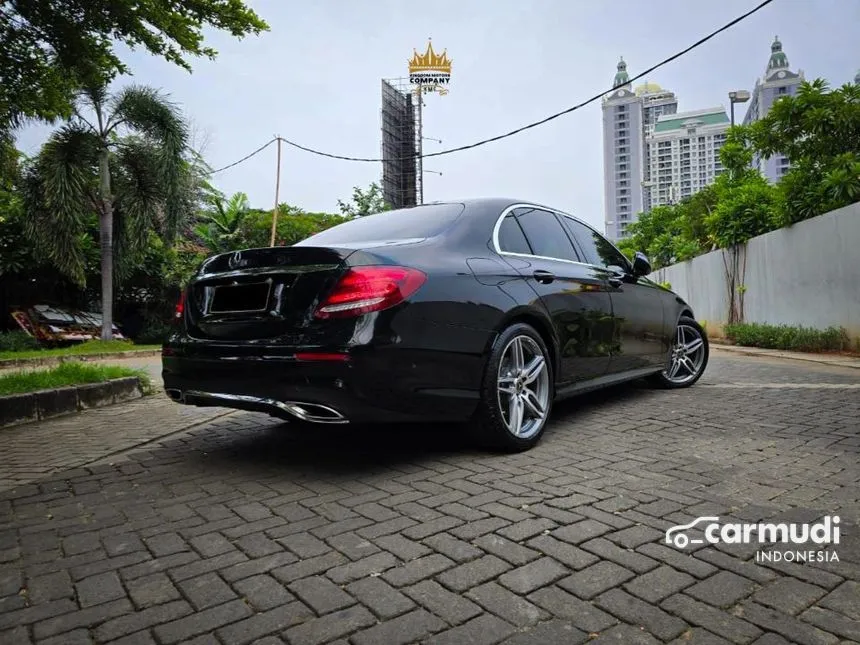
(220, 226)
(364, 202)
(819, 131)
(50, 48)
(121, 164)
(294, 225)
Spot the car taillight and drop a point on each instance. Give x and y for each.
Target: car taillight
(362, 290)
(180, 308)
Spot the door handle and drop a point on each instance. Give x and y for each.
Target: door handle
(544, 277)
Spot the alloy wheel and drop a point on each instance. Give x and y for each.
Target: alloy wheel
(687, 358)
(523, 387)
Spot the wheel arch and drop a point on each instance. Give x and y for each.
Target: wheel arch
(541, 325)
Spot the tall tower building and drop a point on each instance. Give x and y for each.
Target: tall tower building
(778, 81)
(629, 116)
(684, 153)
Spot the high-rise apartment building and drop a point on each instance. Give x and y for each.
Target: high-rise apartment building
(684, 153)
(778, 81)
(629, 116)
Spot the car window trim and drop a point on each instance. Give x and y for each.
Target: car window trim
(512, 207)
(554, 216)
(627, 266)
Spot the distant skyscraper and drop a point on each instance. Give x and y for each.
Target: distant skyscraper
(629, 115)
(778, 81)
(684, 153)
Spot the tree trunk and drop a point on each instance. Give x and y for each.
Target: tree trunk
(106, 236)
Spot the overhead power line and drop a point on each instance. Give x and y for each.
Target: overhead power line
(535, 124)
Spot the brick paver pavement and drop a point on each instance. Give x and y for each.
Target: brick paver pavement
(238, 530)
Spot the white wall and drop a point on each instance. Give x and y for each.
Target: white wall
(807, 274)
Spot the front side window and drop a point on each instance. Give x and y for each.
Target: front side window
(545, 234)
(598, 251)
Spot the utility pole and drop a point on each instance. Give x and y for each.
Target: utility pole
(277, 195)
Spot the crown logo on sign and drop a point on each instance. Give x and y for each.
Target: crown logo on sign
(430, 61)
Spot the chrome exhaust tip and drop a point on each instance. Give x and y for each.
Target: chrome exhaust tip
(301, 410)
(315, 412)
(174, 394)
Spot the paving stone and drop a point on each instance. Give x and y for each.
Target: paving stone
(211, 544)
(352, 545)
(166, 544)
(582, 614)
(714, 620)
(82, 618)
(381, 598)
(500, 601)
(206, 591)
(152, 590)
(454, 548)
(722, 589)
(415, 570)
(569, 555)
(267, 622)
(844, 599)
(263, 592)
(403, 548)
(483, 630)
(527, 528)
(473, 573)
(633, 610)
(51, 586)
(551, 631)
(790, 595)
(626, 558)
(533, 575)
(331, 626)
(788, 626)
(581, 531)
(451, 607)
(699, 636)
(409, 628)
(677, 560)
(595, 579)
(99, 589)
(624, 635)
(130, 624)
(659, 583)
(507, 550)
(635, 536)
(371, 565)
(321, 594)
(830, 621)
(202, 622)
(472, 530)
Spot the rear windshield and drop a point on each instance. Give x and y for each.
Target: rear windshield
(417, 223)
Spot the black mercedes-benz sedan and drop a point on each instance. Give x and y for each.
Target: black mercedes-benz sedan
(484, 311)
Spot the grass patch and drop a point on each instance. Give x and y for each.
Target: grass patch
(68, 374)
(788, 337)
(82, 349)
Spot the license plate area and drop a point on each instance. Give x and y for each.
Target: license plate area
(250, 297)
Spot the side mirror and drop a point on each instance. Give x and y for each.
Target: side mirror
(641, 265)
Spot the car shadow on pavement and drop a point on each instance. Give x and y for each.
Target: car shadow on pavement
(357, 449)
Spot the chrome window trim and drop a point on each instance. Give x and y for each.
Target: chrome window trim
(507, 212)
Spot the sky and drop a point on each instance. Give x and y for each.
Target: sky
(315, 76)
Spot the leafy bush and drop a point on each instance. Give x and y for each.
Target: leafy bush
(154, 332)
(788, 337)
(17, 341)
(73, 373)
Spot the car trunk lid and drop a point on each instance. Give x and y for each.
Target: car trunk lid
(260, 293)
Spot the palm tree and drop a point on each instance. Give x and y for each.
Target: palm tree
(220, 225)
(122, 160)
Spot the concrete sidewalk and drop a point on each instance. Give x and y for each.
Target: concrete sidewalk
(837, 360)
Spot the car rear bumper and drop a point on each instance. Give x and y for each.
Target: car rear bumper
(392, 385)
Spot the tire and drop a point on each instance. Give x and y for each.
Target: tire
(493, 424)
(684, 377)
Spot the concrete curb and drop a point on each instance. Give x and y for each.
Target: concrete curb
(824, 359)
(17, 409)
(6, 363)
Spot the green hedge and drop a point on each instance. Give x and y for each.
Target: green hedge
(788, 337)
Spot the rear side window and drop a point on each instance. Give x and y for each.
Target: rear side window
(417, 222)
(545, 234)
(511, 237)
(597, 249)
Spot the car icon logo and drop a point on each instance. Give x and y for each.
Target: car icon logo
(676, 537)
(235, 260)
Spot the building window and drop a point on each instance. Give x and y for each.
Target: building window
(782, 90)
